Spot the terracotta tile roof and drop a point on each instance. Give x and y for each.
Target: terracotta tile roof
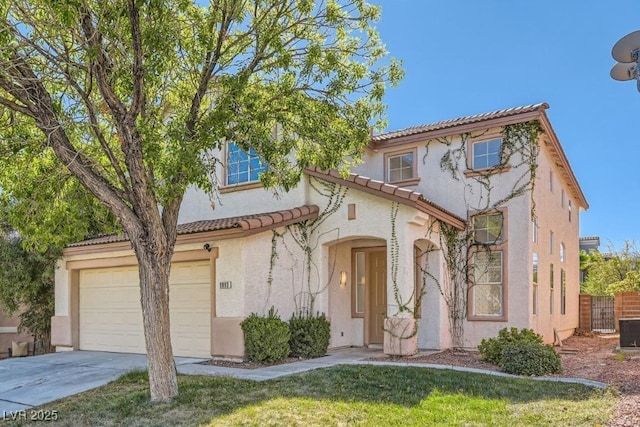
(485, 121)
(391, 192)
(244, 223)
(446, 124)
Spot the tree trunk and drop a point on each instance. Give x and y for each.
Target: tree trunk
(154, 295)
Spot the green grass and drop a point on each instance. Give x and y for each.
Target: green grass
(344, 395)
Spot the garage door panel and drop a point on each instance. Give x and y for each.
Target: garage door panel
(111, 317)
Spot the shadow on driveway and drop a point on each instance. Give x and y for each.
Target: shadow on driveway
(31, 381)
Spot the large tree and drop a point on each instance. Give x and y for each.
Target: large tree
(132, 98)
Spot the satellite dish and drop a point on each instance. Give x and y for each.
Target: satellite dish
(623, 71)
(623, 50)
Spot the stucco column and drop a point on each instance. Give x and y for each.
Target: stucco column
(61, 322)
(400, 335)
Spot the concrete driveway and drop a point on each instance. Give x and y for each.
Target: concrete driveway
(31, 381)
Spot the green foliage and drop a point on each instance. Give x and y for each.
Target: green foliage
(46, 205)
(613, 273)
(491, 349)
(344, 395)
(530, 358)
(266, 338)
(309, 335)
(204, 73)
(27, 287)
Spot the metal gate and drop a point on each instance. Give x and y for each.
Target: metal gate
(603, 314)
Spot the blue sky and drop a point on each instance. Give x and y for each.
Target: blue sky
(469, 57)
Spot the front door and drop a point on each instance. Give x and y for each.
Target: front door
(377, 295)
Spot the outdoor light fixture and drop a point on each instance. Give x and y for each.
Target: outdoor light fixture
(627, 52)
(343, 279)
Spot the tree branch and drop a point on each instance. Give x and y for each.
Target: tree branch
(101, 68)
(138, 71)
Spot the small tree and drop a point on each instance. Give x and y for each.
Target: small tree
(616, 271)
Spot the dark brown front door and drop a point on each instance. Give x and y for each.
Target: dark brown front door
(377, 295)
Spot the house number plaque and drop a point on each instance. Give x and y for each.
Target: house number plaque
(225, 285)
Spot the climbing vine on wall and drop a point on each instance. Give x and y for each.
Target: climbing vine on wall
(519, 153)
(305, 236)
(411, 304)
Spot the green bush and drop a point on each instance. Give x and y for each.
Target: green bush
(491, 348)
(266, 339)
(530, 359)
(309, 335)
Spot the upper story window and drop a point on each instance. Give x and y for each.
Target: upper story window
(551, 181)
(562, 198)
(550, 242)
(401, 166)
(561, 252)
(242, 167)
(486, 154)
(569, 204)
(487, 228)
(534, 229)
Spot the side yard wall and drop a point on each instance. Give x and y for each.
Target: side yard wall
(585, 312)
(9, 333)
(627, 306)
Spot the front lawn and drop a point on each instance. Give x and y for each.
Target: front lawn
(344, 395)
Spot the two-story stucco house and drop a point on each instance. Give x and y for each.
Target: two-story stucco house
(474, 219)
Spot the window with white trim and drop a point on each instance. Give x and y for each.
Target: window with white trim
(551, 285)
(242, 167)
(563, 292)
(535, 283)
(360, 276)
(488, 285)
(486, 154)
(400, 167)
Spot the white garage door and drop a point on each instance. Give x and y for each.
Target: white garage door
(111, 317)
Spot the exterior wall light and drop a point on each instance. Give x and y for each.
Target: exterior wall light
(343, 279)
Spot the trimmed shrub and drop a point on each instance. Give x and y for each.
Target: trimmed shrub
(530, 359)
(266, 339)
(309, 335)
(491, 348)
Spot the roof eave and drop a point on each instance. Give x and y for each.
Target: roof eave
(199, 236)
(421, 205)
(458, 129)
(563, 160)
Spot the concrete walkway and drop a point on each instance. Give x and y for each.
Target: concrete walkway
(26, 382)
(33, 381)
(351, 356)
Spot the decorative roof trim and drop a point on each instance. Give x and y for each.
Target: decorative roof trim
(390, 192)
(199, 231)
(485, 121)
(470, 123)
(561, 161)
